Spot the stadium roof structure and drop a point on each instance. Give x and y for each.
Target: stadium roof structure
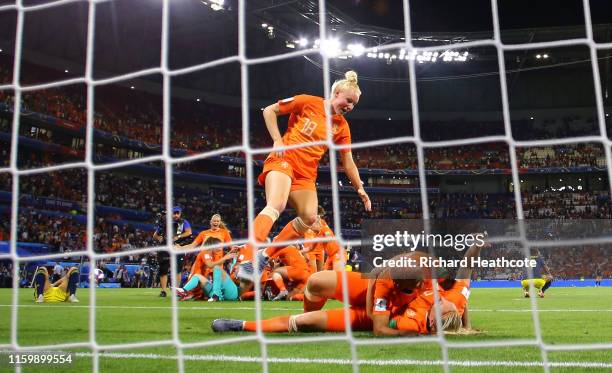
(128, 37)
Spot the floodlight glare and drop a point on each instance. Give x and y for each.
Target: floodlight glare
(356, 49)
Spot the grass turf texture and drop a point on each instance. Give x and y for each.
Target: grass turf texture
(568, 316)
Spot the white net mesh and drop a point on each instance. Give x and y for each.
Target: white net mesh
(169, 161)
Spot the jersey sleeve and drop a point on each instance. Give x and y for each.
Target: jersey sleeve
(343, 137)
(186, 225)
(293, 104)
(382, 294)
(227, 237)
(200, 238)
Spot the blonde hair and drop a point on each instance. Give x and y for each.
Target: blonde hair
(451, 322)
(349, 82)
(222, 224)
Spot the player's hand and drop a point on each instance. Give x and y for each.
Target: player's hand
(277, 145)
(234, 249)
(365, 199)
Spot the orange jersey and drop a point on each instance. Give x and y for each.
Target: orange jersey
(414, 318)
(221, 234)
(199, 265)
(245, 254)
(331, 248)
(458, 294)
(307, 124)
(390, 300)
(291, 257)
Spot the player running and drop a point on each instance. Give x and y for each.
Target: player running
(290, 175)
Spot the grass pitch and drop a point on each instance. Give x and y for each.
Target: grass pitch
(127, 316)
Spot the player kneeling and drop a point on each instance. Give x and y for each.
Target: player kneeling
(208, 275)
(62, 290)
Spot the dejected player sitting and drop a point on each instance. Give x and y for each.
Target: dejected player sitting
(62, 290)
(541, 278)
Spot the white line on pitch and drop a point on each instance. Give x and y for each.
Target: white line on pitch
(279, 360)
(204, 308)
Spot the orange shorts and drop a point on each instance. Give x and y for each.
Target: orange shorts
(298, 275)
(316, 255)
(278, 164)
(329, 262)
(358, 318)
(357, 288)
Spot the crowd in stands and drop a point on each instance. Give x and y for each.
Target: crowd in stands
(66, 233)
(127, 113)
(567, 205)
(563, 262)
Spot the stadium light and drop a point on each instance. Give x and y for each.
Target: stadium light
(356, 49)
(197, 99)
(0, 49)
(545, 56)
(132, 87)
(303, 42)
(264, 25)
(538, 56)
(330, 47)
(289, 44)
(66, 71)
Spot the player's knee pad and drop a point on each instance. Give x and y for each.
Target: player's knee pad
(302, 227)
(271, 212)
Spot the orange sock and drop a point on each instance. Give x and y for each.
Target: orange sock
(247, 295)
(287, 234)
(276, 324)
(280, 284)
(262, 226)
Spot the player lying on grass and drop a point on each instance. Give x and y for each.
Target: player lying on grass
(62, 290)
(208, 275)
(401, 306)
(541, 278)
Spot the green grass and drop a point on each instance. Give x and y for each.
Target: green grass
(138, 315)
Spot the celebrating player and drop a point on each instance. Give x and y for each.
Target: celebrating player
(62, 290)
(294, 268)
(207, 274)
(290, 175)
(217, 229)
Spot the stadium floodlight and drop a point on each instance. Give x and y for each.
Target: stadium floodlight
(331, 47)
(66, 71)
(303, 42)
(264, 25)
(538, 56)
(356, 49)
(197, 100)
(381, 55)
(132, 87)
(290, 44)
(545, 55)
